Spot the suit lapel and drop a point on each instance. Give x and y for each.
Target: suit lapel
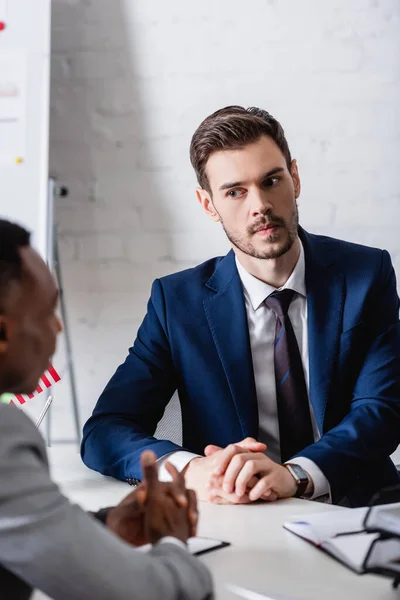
(226, 315)
(325, 302)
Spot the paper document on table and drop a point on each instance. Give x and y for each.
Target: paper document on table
(200, 545)
(196, 545)
(320, 527)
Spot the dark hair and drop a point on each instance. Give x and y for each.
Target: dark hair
(229, 128)
(12, 238)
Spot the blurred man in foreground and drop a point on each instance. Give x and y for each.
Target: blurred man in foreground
(45, 541)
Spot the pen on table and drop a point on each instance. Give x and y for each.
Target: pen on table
(44, 411)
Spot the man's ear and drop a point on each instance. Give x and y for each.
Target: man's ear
(206, 202)
(294, 171)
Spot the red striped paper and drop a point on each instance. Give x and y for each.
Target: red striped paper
(49, 378)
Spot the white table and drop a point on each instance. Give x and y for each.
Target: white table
(263, 557)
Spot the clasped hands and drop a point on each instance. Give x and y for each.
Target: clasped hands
(155, 509)
(239, 474)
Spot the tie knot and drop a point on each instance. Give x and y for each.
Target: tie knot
(279, 302)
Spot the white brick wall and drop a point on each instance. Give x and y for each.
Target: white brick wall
(131, 80)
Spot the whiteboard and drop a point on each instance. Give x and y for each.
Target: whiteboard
(24, 116)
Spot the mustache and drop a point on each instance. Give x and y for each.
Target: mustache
(268, 219)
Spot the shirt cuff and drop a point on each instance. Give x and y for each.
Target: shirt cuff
(321, 484)
(179, 458)
(173, 540)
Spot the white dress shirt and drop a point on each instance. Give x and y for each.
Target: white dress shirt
(261, 322)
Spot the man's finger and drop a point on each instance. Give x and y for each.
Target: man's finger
(177, 477)
(262, 489)
(252, 444)
(211, 449)
(215, 482)
(269, 496)
(241, 481)
(142, 495)
(226, 456)
(218, 500)
(253, 481)
(235, 467)
(174, 492)
(273, 497)
(216, 497)
(177, 488)
(248, 443)
(193, 511)
(137, 495)
(148, 460)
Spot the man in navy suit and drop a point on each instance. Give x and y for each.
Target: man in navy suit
(285, 353)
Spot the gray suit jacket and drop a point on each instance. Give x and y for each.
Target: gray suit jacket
(50, 544)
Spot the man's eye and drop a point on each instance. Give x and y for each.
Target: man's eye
(234, 193)
(271, 181)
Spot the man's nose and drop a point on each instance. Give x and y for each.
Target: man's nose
(260, 204)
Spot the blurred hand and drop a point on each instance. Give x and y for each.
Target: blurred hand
(170, 509)
(202, 473)
(128, 519)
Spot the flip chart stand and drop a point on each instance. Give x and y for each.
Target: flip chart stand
(54, 262)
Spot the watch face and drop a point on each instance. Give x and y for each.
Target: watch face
(299, 473)
(301, 478)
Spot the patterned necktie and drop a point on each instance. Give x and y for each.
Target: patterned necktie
(295, 429)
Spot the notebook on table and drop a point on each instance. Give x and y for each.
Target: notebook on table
(384, 518)
(343, 535)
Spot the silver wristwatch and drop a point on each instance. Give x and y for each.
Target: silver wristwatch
(301, 478)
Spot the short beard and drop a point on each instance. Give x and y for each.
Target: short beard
(248, 248)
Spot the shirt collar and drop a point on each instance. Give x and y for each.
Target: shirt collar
(257, 291)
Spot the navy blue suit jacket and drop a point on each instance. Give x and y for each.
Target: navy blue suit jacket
(195, 339)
